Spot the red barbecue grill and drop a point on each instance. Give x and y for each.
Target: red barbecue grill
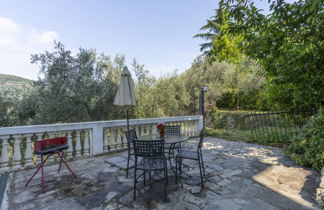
(49, 147)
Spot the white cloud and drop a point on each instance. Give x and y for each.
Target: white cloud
(7, 25)
(7, 41)
(47, 37)
(18, 43)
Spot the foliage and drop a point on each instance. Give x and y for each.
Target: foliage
(229, 119)
(75, 88)
(222, 46)
(13, 105)
(225, 83)
(5, 78)
(288, 44)
(143, 92)
(82, 87)
(307, 149)
(6, 104)
(215, 116)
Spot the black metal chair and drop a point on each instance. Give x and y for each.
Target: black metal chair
(152, 157)
(192, 155)
(130, 136)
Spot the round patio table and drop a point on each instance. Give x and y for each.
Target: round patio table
(170, 141)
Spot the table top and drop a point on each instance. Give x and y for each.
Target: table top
(168, 139)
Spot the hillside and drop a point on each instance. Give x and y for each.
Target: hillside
(7, 80)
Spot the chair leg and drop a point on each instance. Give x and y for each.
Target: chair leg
(176, 170)
(201, 175)
(135, 183)
(171, 150)
(180, 177)
(202, 161)
(165, 183)
(144, 178)
(166, 173)
(127, 165)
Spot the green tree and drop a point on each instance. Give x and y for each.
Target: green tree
(15, 109)
(76, 88)
(288, 44)
(224, 81)
(144, 93)
(221, 45)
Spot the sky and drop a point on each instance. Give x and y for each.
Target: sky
(158, 33)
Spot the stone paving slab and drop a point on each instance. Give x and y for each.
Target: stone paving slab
(3, 185)
(238, 176)
(120, 161)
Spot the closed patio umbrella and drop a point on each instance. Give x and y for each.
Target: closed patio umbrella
(125, 95)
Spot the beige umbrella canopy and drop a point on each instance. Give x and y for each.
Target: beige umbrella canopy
(125, 95)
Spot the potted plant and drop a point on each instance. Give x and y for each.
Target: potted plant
(161, 128)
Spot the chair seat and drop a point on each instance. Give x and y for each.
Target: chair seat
(188, 154)
(151, 164)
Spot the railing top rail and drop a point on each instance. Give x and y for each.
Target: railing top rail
(279, 112)
(89, 125)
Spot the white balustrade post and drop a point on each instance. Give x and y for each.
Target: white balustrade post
(124, 138)
(196, 128)
(4, 153)
(86, 146)
(190, 127)
(69, 154)
(142, 130)
(147, 129)
(105, 140)
(200, 123)
(51, 158)
(29, 151)
(17, 154)
(119, 143)
(112, 138)
(181, 127)
(191, 130)
(138, 131)
(96, 140)
(38, 138)
(78, 143)
(184, 128)
(155, 131)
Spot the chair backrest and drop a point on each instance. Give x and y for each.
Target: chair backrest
(148, 148)
(201, 139)
(172, 130)
(130, 135)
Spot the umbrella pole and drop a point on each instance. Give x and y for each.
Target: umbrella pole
(127, 119)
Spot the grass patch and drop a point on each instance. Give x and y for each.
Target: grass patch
(241, 135)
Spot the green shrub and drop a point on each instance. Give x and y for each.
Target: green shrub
(225, 119)
(215, 116)
(307, 148)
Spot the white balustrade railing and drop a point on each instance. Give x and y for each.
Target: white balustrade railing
(85, 139)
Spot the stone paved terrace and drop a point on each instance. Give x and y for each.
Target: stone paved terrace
(239, 176)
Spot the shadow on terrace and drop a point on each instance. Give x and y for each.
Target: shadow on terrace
(239, 176)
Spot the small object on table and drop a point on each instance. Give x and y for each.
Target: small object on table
(160, 127)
